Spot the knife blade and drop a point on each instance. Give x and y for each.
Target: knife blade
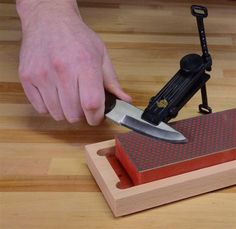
(129, 116)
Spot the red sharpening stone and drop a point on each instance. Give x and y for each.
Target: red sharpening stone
(211, 141)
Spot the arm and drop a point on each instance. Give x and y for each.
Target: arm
(64, 66)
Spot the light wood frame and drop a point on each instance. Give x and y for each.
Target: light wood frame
(140, 197)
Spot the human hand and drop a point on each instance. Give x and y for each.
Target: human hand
(64, 66)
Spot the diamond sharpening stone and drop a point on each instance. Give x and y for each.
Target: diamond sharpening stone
(211, 141)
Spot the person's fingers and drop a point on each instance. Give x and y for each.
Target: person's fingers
(70, 101)
(92, 95)
(34, 97)
(110, 79)
(51, 100)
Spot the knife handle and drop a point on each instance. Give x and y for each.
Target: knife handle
(110, 101)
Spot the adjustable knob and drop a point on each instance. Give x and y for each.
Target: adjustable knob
(191, 63)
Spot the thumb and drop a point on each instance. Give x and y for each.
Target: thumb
(111, 83)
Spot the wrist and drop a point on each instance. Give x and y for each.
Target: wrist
(28, 9)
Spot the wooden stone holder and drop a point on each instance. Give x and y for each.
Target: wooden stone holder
(215, 166)
(123, 201)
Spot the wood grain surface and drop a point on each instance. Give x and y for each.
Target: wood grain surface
(44, 181)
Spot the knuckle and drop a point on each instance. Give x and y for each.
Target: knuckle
(59, 64)
(28, 75)
(24, 75)
(92, 104)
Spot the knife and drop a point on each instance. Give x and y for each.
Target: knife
(130, 116)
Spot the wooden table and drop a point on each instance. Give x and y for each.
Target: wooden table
(44, 181)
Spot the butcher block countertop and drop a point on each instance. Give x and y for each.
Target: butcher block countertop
(44, 180)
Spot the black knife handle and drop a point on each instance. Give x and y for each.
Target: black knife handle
(110, 101)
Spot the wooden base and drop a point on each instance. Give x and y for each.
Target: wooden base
(128, 198)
